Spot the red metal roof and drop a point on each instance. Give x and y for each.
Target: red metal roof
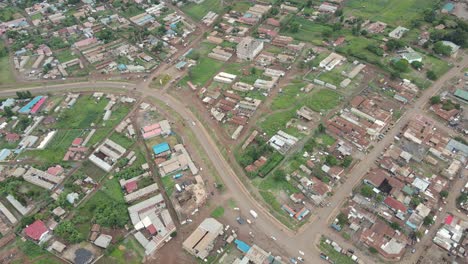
(151, 229)
(131, 186)
(36, 230)
(393, 203)
(77, 141)
(449, 219)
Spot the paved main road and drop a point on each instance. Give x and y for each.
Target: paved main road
(289, 241)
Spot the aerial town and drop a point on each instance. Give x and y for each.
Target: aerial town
(234, 131)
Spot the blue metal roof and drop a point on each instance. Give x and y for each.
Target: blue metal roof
(161, 148)
(242, 246)
(448, 7)
(4, 154)
(27, 108)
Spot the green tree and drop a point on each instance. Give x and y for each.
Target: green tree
(415, 201)
(331, 160)
(395, 225)
(379, 198)
(440, 48)
(68, 231)
(431, 75)
(444, 194)
(428, 220)
(321, 128)
(342, 219)
(279, 175)
(347, 161)
(394, 44)
(8, 112)
(367, 191)
(435, 100)
(373, 250)
(113, 214)
(417, 65)
(401, 65)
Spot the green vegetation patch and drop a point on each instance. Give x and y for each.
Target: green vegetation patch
(395, 12)
(65, 55)
(6, 74)
(334, 255)
(56, 148)
(85, 112)
(218, 212)
(169, 184)
(198, 11)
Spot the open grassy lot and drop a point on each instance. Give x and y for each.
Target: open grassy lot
(241, 6)
(333, 254)
(111, 187)
(317, 100)
(85, 112)
(65, 55)
(203, 71)
(6, 74)
(129, 251)
(218, 212)
(198, 11)
(276, 121)
(36, 16)
(169, 184)
(309, 31)
(56, 148)
(286, 104)
(323, 100)
(121, 140)
(395, 12)
(205, 68)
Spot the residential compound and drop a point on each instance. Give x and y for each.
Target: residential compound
(89, 36)
(406, 191)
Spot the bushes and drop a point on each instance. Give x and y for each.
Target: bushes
(272, 162)
(68, 232)
(112, 214)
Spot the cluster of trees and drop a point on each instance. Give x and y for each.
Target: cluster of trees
(254, 151)
(129, 173)
(67, 230)
(331, 160)
(375, 49)
(440, 48)
(24, 95)
(106, 35)
(113, 214)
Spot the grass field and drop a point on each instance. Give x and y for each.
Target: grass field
(218, 212)
(169, 184)
(394, 12)
(65, 55)
(334, 255)
(309, 31)
(6, 75)
(121, 140)
(198, 11)
(292, 99)
(129, 251)
(203, 71)
(241, 6)
(112, 188)
(323, 100)
(36, 16)
(85, 112)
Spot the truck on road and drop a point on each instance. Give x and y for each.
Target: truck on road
(253, 214)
